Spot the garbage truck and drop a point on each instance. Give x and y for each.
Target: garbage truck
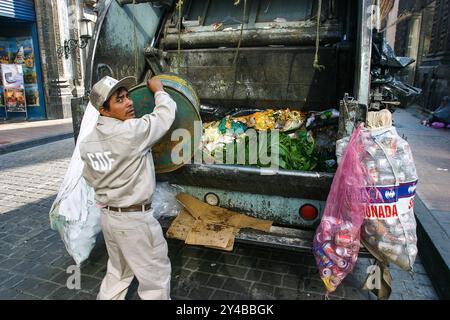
(306, 55)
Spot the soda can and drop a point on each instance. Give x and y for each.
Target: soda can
(326, 226)
(335, 281)
(383, 163)
(329, 251)
(410, 237)
(372, 240)
(343, 239)
(380, 228)
(343, 264)
(375, 176)
(397, 229)
(394, 239)
(324, 260)
(401, 176)
(386, 179)
(411, 225)
(355, 247)
(401, 260)
(343, 252)
(332, 221)
(412, 250)
(372, 149)
(323, 237)
(390, 248)
(369, 229)
(391, 221)
(338, 272)
(326, 272)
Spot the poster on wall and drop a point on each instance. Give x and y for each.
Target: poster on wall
(29, 75)
(12, 76)
(14, 89)
(32, 95)
(5, 50)
(25, 52)
(15, 100)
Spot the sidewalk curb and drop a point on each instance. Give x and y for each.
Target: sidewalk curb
(433, 249)
(12, 147)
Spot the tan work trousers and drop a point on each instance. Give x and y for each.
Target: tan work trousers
(136, 247)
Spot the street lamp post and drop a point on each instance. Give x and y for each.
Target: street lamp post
(71, 45)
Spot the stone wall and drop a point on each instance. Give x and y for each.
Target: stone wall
(57, 21)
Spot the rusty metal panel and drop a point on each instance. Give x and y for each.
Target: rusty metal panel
(123, 33)
(266, 77)
(297, 184)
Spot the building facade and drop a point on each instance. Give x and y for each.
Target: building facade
(49, 31)
(422, 32)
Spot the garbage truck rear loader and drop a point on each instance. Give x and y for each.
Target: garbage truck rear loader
(268, 61)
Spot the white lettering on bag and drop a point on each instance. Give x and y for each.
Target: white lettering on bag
(101, 161)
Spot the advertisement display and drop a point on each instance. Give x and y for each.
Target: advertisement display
(14, 87)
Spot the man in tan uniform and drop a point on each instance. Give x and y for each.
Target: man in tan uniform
(119, 166)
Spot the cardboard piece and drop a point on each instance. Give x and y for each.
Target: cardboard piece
(213, 214)
(199, 223)
(181, 225)
(209, 234)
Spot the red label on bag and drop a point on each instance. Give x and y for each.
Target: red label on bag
(382, 211)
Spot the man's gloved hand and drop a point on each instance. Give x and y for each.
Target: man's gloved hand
(154, 84)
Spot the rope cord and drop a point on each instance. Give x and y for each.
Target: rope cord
(180, 11)
(242, 30)
(136, 56)
(316, 64)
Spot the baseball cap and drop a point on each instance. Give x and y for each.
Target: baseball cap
(104, 89)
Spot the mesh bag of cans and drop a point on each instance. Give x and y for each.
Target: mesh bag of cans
(336, 242)
(389, 226)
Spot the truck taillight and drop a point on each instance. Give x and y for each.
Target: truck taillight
(308, 212)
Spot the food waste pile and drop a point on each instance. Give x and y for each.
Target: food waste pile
(296, 145)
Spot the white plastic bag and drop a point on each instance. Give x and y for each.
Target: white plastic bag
(79, 237)
(74, 213)
(164, 203)
(389, 226)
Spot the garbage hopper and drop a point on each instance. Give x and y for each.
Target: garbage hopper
(188, 112)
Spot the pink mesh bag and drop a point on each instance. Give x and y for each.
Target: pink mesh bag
(337, 240)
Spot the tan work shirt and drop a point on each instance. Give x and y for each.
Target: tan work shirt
(117, 155)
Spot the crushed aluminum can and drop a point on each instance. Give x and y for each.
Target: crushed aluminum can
(380, 228)
(383, 164)
(329, 251)
(326, 272)
(338, 272)
(343, 239)
(391, 221)
(394, 239)
(401, 260)
(411, 250)
(386, 179)
(324, 260)
(343, 252)
(335, 281)
(401, 177)
(390, 248)
(397, 230)
(369, 229)
(323, 237)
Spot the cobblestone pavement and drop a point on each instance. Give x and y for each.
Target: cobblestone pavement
(33, 259)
